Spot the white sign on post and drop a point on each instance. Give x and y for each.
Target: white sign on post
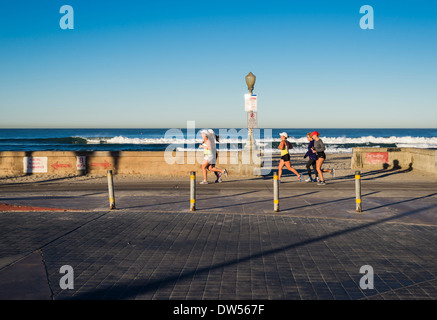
(250, 102)
(252, 120)
(34, 164)
(80, 162)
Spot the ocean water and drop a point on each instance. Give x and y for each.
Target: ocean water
(336, 140)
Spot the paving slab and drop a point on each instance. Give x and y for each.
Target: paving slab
(26, 279)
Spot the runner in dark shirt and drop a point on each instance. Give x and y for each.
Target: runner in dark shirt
(319, 147)
(312, 160)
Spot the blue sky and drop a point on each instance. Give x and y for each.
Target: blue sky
(162, 63)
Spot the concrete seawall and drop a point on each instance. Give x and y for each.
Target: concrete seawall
(424, 160)
(178, 164)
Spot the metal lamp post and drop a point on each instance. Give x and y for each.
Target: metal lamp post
(250, 81)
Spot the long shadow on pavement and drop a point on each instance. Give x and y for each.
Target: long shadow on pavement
(252, 202)
(127, 290)
(184, 201)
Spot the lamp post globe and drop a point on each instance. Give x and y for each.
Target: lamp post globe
(250, 81)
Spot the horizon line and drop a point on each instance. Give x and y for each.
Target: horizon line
(279, 127)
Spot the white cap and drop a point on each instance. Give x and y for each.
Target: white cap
(284, 134)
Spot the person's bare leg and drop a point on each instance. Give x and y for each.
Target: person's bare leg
(281, 165)
(319, 168)
(211, 168)
(215, 169)
(289, 167)
(204, 166)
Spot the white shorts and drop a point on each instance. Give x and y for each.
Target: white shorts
(210, 158)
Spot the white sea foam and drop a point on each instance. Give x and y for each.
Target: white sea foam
(327, 140)
(269, 150)
(333, 144)
(408, 140)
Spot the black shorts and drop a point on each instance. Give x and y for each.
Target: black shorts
(321, 155)
(286, 157)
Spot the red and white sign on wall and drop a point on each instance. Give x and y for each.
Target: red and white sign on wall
(376, 158)
(35, 164)
(81, 162)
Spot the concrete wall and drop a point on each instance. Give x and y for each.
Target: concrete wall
(126, 163)
(423, 160)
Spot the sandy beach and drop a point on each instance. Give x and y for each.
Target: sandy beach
(341, 162)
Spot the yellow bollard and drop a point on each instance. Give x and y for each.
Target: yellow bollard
(358, 191)
(275, 192)
(193, 191)
(111, 190)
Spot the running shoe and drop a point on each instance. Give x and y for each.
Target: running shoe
(321, 183)
(204, 182)
(300, 178)
(317, 179)
(219, 178)
(308, 179)
(225, 172)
